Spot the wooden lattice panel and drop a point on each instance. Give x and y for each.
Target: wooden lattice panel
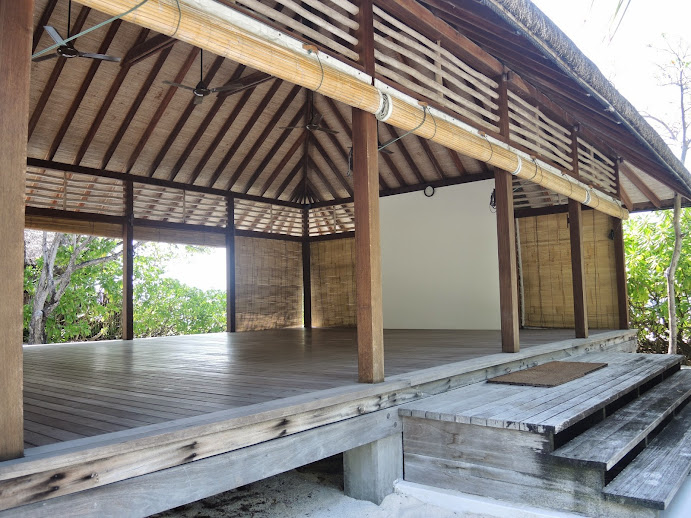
(335, 219)
(74, 192)
(595, 168)
(534, 130)
(327, 23)
(427, 68)
(178, 206)
(268, 218)
(528, 195)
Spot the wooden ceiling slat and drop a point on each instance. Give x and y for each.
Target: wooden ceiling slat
(81, 93)
(272, 153)
(139, 99)
(259, 142)
(338, 173)
(55, 75)
(141, 142)
(405, 154)
(256, 115)
(220, 134)
(43, 21)
(286, 158)
(201, 129)
(640, 185)
(182, 120)
(105, 104)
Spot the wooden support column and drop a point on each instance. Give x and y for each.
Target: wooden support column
(128, 265)
(506, 237)
(620, 267)
(580, 302)
(306, 270)
(16, 18)
(230, 266)
(368, 277)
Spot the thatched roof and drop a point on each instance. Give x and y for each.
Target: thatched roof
(536, 26)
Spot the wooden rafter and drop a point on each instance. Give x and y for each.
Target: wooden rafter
(105, 104)
(138, 100)
(261, 139)
(457, 161)
(312, 165)
(83, 89)
(242, 135)
(338, 173)
(626, 200)
(288, 179)
(400, 147)
(640, 185)
(43, 21)
(201, 129)
(54, 75)
(433, 159)
(182, 120)
(286, 157)
(153, 122)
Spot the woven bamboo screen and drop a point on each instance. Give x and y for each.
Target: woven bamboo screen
(425, 67)
(268, 283)
(546, 271)
(333, 283)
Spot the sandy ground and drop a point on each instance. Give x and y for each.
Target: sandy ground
(314, 491)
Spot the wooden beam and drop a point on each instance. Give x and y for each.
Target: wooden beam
(16, 20)
(80, 169)
(144, 50)
(620, 266)
(286, 157)
(580, 301)
(43, 21)
(367, 249)
(457, 161)
(400, 146)
(289, 178)
(641, 186)
(306, 270)
(230, 267)
(127, 318)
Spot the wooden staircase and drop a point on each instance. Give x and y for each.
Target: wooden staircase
(616, 442)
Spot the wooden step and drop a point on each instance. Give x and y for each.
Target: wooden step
(609, 441)
(657, 473)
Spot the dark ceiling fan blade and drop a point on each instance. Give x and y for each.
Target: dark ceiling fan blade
(326, 130)
(198, 99)
(45, 57)
(291, 127)
(178, 85)
(385, 150)
(54, 34)
(103, 57)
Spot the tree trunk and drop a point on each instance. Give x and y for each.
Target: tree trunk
(671, 295)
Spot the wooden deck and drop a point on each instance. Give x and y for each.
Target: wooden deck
(87, 389)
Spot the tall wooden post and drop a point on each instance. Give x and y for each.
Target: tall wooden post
(506, 237)
(306, 270)
(15, 41)
(620, 266)
(128, 265)
(230, 266)
(368, 276)
(580, 302)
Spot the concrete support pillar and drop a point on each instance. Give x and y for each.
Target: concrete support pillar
(371, 470)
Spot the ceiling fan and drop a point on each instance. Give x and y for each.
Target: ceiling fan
(314, 120)
(202, 90)
(66, 48)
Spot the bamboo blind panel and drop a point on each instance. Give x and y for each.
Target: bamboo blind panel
(268, 284)
(546, 270)
(178, 206)
(333, 283)
(71, 226)
(425, 67)
(329, 24)
(181, 236)
(268, 218)
(335, 219)
(74, 192)
(534, 130)
(595, 168)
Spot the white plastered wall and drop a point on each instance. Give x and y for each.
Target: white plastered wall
(439, 259)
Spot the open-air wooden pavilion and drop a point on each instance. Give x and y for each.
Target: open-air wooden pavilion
(505, 163)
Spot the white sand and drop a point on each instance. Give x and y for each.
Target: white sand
(314, 491)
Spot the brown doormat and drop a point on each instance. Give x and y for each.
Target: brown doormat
(549, 374)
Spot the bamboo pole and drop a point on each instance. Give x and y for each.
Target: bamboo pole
(226, 32)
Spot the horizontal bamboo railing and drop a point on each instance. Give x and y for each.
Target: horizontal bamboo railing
(226, 32)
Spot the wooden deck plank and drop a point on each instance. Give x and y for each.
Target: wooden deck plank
(153, 380)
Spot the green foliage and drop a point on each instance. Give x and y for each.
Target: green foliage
(649, 240)
(91, 307)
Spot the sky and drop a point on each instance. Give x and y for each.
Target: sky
(629, 60)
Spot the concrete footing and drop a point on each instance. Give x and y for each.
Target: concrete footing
(371, 470)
